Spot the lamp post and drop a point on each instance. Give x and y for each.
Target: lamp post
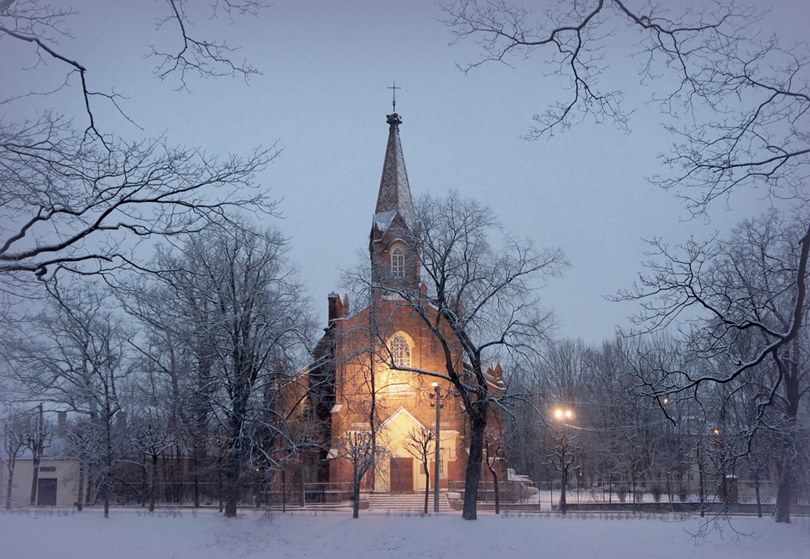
(563, 415)
(437, 396)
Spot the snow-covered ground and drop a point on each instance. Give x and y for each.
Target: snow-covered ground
(130, 534)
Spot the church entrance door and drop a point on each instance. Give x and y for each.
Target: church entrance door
(401, 475)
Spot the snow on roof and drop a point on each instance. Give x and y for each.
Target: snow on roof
(383, 220)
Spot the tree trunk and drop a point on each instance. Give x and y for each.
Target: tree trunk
(235, 461)
(669, 487)
(80, 492)
(108, 460)
(426, 469)
(153, 476)
(34, 480)
(356, 497)
(497, 493)
(232, 485)
(144, 497)
(784, 493)
(563, 487)
(195, 481)
(633, 488)
(91, 492)
(10, 466)
(478, 424)
(495, 485)
(427, 489)
(236, 455)
(220, 488)
(37, 446)
(302, 490)
(701, 484)
(261, 498)
(200, 403)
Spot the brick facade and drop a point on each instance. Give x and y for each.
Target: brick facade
(354, 359)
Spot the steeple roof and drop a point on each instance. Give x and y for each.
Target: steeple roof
(394, 196)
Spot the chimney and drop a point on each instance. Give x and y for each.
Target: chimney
(61, 423)
(337, 309)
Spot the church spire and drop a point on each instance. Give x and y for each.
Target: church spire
(393, 243)
(395, 192)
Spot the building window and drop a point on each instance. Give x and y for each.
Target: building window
(401, 351)
(442, 463)
(399, 381)
(398, 262)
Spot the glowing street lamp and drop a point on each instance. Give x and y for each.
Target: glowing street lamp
(563, 413)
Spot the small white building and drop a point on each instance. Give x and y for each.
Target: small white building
(57, 483)
(58, 478)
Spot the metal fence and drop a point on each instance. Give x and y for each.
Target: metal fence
(548, 492)
(278, 493)
(283, 492)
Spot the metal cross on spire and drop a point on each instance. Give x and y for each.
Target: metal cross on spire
(394, 89)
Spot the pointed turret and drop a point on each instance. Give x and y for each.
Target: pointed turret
(392, 242)
(395, 192)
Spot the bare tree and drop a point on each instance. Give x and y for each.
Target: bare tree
(359, 448)
(746, 98)
(492, 454)
(74, 355)
(239, 308)
(37, 439)
(746, 95)
(419, 444)
(523, 427)
(200, 56)
(480, 306)
(176, 353)
(17, 430)
(563, 448)
(561, 385)
(623, 442)
(746, 299)
(78, 199)
(151, 437)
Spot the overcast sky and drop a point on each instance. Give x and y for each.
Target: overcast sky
(323, 96)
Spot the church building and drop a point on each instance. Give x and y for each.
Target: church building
(358, 388)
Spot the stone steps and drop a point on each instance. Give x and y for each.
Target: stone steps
(407, 503)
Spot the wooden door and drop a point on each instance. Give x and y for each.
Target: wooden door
(401, 475)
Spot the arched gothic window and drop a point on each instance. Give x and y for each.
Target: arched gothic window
(401, 351)
(399, 382)
(398, 262)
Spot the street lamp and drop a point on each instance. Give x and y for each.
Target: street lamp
(563, 414)
(437, 396)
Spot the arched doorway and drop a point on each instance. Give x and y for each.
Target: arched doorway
(398, 471)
